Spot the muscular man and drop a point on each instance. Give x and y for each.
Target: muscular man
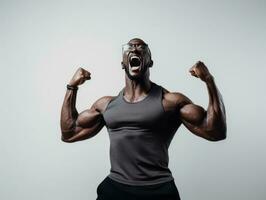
(141, 121)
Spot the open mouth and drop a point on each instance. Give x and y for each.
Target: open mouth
(135, 63)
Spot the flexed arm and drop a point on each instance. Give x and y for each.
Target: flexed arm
(210, 124)
(75, 126)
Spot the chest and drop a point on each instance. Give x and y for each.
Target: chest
(146, 116)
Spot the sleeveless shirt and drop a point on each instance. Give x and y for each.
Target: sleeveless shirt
(140, 134)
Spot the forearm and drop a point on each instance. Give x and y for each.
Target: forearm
(69, 113)
(216, 118)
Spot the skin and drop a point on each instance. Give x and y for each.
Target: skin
(209, 124)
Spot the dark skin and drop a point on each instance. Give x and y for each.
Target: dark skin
(209, 124)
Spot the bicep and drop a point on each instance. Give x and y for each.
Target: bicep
(93, 117)
(88, 124)
(187, 110)
(194, 119)
(192, 114)
(88, 118)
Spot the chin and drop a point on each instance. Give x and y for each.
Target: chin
(135, 77)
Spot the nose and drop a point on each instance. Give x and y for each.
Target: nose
(134, 49)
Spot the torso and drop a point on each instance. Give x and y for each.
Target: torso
(140, 134)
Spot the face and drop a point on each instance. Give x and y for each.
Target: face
(136, 58)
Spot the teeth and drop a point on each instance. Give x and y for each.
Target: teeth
(134, 57)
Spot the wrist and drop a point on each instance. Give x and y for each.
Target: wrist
(72, 87)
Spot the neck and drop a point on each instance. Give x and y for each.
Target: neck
(136, 90)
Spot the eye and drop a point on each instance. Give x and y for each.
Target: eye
(141, 47)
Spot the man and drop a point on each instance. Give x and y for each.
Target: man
(141, 121)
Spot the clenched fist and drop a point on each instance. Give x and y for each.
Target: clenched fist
(80, 77)
(200, 70)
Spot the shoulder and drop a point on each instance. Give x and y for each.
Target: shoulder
(173, 100)
(101, 103)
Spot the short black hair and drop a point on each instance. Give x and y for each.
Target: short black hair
(142, 41)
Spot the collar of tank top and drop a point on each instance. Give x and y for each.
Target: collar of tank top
(139, 99)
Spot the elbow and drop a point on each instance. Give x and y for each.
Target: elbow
(67, 135)
(216, 139)
(66, 140)
(223, 133)
(218, 136)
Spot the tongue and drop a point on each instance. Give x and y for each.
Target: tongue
(135, 62)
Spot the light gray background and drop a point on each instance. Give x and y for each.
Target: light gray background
(42, 43)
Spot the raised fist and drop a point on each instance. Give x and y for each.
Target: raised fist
(200, 70)
(80, 77)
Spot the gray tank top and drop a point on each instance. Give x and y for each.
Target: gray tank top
(140, 134)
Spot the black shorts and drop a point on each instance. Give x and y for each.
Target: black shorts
(109, 189)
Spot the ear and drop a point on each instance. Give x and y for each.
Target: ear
(151, 63)
(123, 65)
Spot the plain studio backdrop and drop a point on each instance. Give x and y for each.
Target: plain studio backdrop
(42, 43)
